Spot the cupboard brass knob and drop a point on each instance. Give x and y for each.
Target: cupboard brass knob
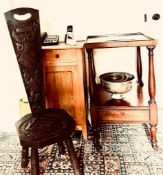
(57, 56)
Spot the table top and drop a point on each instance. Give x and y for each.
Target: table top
(119, 40)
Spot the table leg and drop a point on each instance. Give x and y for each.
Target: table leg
(92, 89)
(140, 95)
(92, 84)
(152, 103)
(139, 67)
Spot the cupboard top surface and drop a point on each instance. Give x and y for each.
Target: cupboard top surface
(119, 40)
(62, 45)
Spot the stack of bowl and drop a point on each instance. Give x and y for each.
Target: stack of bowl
(117, 83)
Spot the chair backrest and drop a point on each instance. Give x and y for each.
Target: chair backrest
(24, 28)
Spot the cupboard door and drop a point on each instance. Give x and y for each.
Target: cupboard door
(60, 88)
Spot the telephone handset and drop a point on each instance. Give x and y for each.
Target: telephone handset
(69, 37)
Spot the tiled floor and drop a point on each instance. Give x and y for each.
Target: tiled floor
(126, 150)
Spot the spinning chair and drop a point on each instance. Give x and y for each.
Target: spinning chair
(42, 127)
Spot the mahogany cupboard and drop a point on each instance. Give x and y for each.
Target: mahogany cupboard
(65, 82)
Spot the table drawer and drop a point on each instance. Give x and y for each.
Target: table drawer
(60, 56)
(130, 115)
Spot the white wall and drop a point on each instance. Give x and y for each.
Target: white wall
(11, 88)
(88, 18)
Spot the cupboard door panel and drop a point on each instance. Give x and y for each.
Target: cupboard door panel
(60, 91)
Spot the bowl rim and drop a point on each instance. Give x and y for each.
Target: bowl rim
(129, 77)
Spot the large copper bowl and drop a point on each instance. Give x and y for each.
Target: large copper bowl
(117, 82)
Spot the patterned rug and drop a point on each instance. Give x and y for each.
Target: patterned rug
(126, 150)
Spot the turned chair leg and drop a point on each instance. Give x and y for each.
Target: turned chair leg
(61, 148)
(73, 156)
(24, 159)
(35, 162)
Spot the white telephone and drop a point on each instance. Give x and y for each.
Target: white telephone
(69, 37)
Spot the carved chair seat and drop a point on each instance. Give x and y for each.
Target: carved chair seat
(45, 127)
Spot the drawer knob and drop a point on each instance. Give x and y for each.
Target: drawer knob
(57, 56)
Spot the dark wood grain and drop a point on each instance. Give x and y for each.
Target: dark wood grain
(44, 126)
